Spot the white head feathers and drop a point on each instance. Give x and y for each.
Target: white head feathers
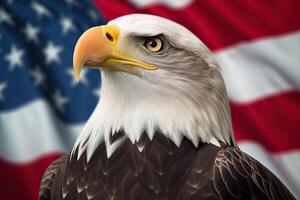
(184, 97)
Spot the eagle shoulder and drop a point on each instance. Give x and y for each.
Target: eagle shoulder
(237, 175)
(49, 175)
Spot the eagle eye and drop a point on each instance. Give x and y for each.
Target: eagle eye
(154, 44)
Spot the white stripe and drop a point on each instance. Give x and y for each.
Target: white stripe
(170, 3)
(284, 165)
(261, 68)
(33, 130)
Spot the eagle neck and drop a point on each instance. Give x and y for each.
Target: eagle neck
(125, 105)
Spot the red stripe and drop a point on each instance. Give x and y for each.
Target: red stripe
(273, 122)
(221, 23)
(22, 181)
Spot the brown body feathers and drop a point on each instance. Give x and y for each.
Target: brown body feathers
(161, 171)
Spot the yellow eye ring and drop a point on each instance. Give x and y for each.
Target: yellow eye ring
(154, 44)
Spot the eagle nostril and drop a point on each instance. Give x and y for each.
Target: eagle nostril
(109, 37)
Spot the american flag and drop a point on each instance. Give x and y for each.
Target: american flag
(42, 109)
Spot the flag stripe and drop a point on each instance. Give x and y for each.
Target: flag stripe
(261, 68)
(24, 138)
(273, 122)
(173, 4)
(22, 181)
(220, 23)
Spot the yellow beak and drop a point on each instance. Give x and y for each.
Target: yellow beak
(97, 47)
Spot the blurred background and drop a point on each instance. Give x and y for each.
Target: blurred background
(42, 108)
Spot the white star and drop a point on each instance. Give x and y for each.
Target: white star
(51, 52)
(31, 32)
(3, 86)
(59, 100)
(40, 9)
(72, 2)
(93, 14)
(5, 17)
(14, 58)
(97, 92)
(83, 77)
(38, 76)
(67, 25)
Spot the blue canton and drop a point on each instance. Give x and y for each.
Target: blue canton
(37, 39)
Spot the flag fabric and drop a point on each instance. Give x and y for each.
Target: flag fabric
(42, 109)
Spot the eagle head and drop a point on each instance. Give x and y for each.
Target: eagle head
(156, 75)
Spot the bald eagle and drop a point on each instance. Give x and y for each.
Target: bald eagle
(162, 129)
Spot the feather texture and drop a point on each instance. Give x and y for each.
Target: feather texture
(161, 170)
(49, 176)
